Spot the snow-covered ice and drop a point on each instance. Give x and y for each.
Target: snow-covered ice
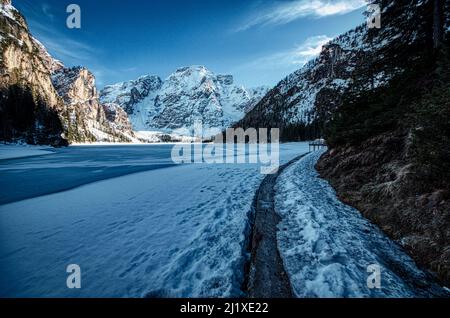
(13, 151)
(177, 231)
(327, 246)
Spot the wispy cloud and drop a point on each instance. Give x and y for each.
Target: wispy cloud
(280, 64)
(309, 49)
(286, 12)
(46, 10)
(47, 28)
(70, 51)
(296, 57)
(65, 48)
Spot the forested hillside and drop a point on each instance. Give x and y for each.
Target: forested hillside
(389, 147)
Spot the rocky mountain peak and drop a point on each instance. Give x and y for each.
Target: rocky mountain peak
(225, 79)
(7, 10)
(189, 70)
(128, 94)
(87, 118)
(190, 93)
(190, 78)
(43, 102)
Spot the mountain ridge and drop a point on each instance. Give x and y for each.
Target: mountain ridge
(187, 95)
(304, 101)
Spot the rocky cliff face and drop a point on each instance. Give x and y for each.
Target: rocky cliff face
(190, 94)
(118, 118)
(131, 94)
(29, 104)
(86, 117)
(42, 101)
(307, 96)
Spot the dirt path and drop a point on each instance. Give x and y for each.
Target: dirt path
(267, 277)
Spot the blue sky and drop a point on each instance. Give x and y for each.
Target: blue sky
(257, 41)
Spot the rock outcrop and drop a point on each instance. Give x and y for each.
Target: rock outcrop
(118, 118)
(136, 97)
(86, 119)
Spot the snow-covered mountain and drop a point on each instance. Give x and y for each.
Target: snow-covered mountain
(388, 145)
(188, 95)
(136, 98)
(44, 102)
(306, 99)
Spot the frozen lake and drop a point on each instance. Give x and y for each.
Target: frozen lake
(140, 226)
(136, 224)
(68, 168)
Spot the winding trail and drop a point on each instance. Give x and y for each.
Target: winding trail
(306, 243)
(267, 277)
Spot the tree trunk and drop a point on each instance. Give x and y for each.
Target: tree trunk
(437, 24)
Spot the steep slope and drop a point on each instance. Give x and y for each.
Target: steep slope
(118, 119)
(389, 147)
(137, 98)
(302, 103)
(306, 96)
(189, 94)
(29, 104)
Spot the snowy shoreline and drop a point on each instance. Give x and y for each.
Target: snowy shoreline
(97, 144)
(328, 247)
